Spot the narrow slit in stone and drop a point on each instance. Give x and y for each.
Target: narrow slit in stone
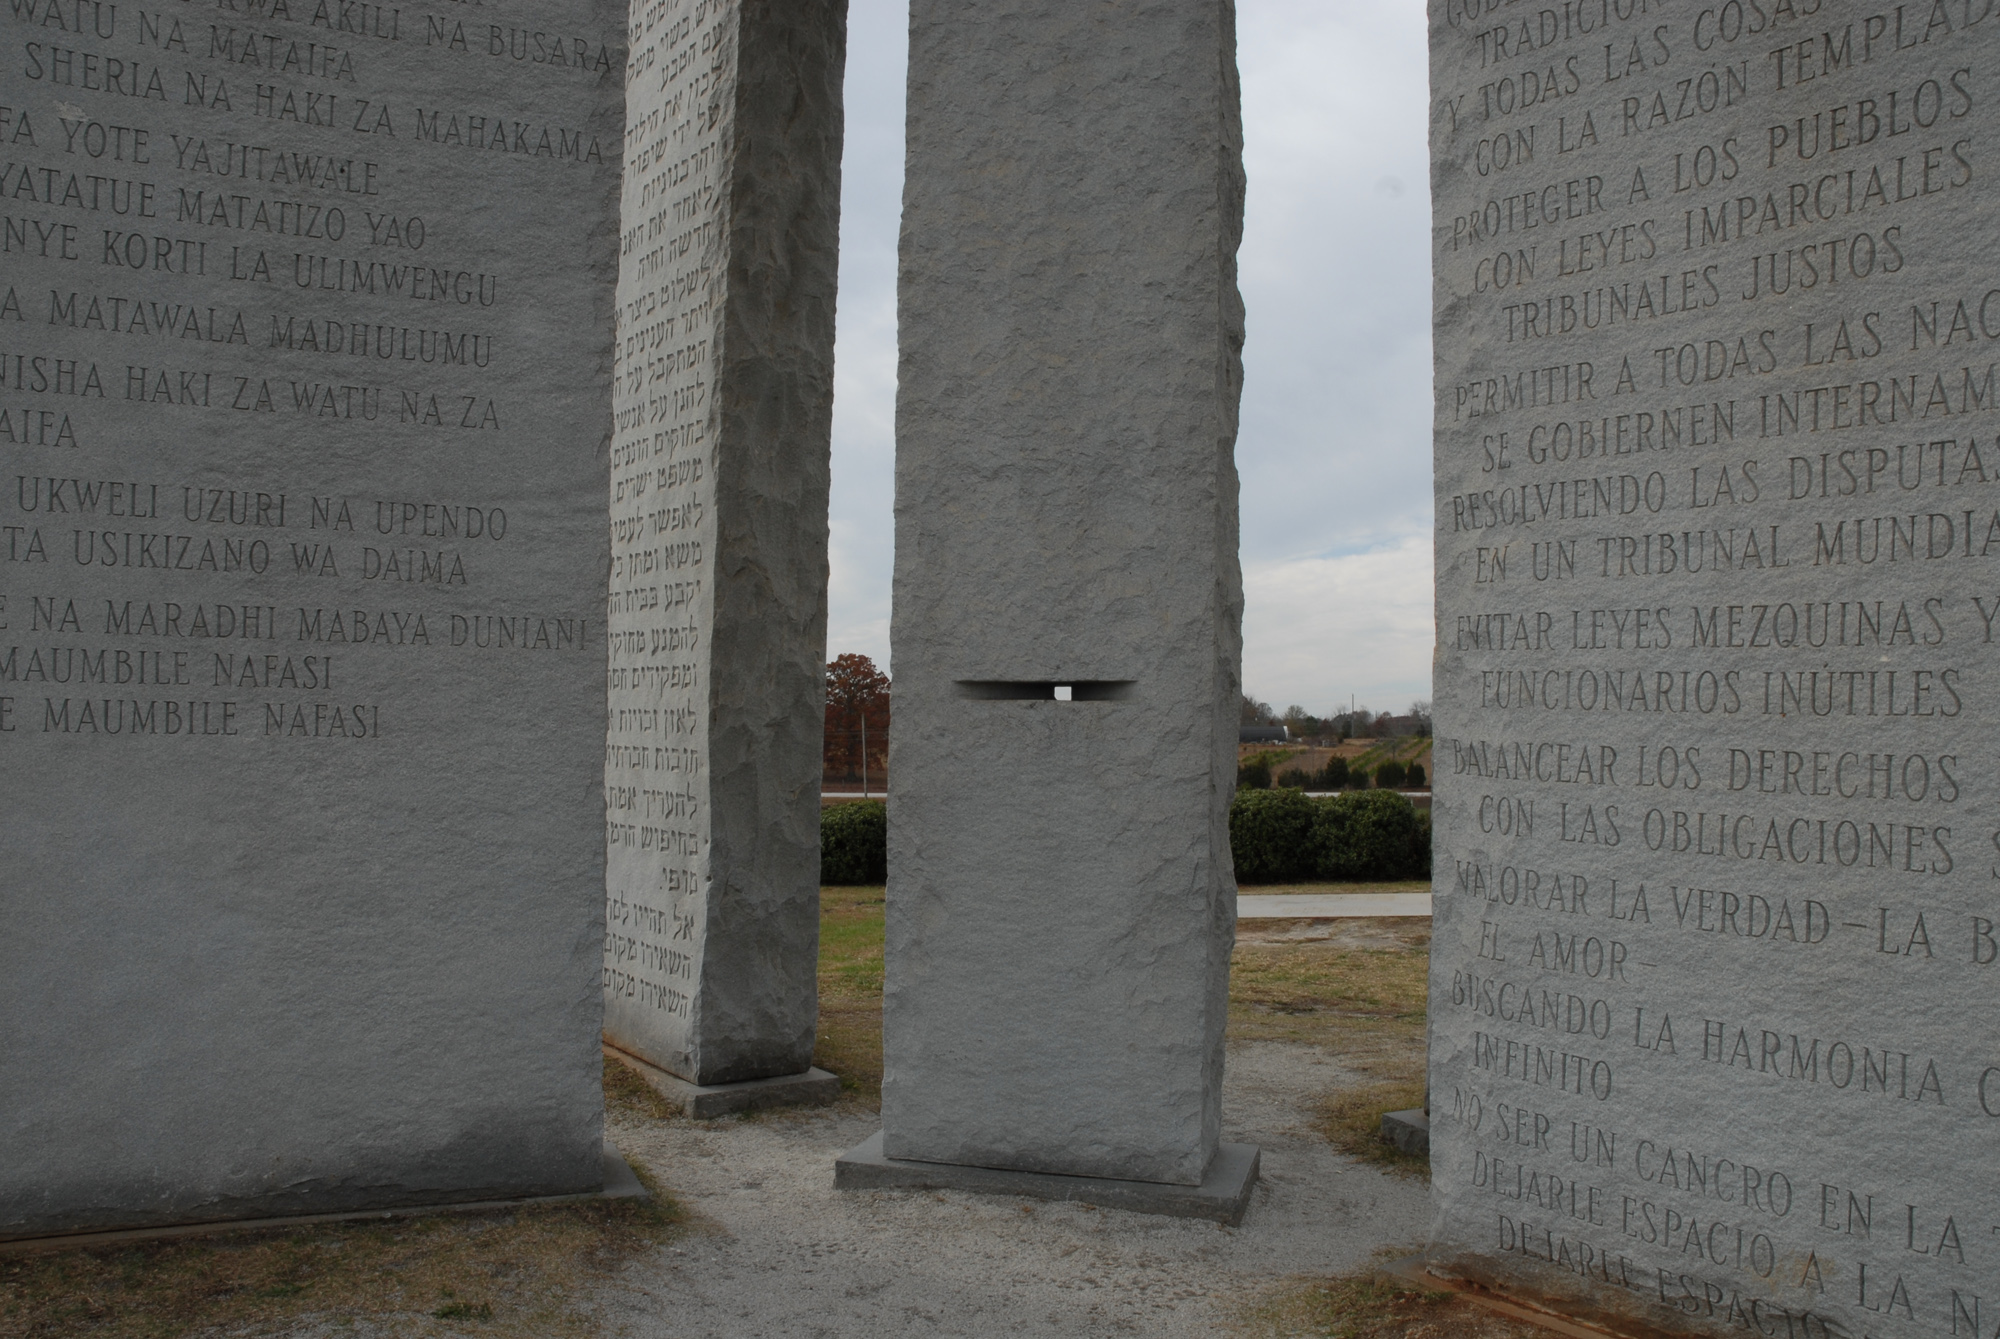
(1047, 690)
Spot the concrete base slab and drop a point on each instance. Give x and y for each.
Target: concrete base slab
(1409, 1131)
(1223, 1196)
(1328, 906)
(620, 1182)
(815, 1087)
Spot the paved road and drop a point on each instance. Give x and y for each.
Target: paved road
(1286, 906)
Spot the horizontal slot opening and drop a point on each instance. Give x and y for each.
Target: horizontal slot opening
(1047, 690)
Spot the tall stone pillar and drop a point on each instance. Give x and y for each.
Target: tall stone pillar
(1717, 697)
(1061, 907)
(718, 537)
(304, 405)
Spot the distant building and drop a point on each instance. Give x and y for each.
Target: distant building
(1262, 734)
(1386, 727)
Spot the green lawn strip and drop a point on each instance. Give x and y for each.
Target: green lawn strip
(850, 989)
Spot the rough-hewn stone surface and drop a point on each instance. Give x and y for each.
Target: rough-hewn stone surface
(304, 412)
(814, 1087)
(1715, 806)
(1060, 905)
(719, 531)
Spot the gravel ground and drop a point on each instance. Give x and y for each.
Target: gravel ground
(777, 1251)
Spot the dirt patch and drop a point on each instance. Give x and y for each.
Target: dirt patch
(1368, 1306)
(778, 1251)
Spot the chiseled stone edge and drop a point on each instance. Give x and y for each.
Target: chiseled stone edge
(815, 1087)
(1409, 1131)
(1223, 1195)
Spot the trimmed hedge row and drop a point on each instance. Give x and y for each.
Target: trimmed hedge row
(1276, 836)
(1281, 836)
(854, 843)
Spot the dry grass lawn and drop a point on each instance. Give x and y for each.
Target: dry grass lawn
(1355, 987)
(517, 1274)
(1374, 1307)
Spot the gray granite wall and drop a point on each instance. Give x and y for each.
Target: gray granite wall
(304, 409)
(1715, 807)
(719, 531)
(1060, 905)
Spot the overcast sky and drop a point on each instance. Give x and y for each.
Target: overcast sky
(1335, 446)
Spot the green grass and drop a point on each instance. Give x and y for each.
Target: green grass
(850, 942)
(850, 989)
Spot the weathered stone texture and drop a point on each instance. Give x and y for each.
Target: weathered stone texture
(719, 534)
(304, 413)
(1716, 490)
(1061, 907)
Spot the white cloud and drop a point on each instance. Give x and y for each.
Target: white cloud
(1320, 628)
(862, 552)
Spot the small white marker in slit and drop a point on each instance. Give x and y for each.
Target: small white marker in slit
(1062, 692)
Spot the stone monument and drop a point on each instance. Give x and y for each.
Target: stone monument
(718, 549)
(1060, 905)
(305, 405)
(1716, 510)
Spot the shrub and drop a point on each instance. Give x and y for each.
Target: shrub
(1294, 779)
(1335, 775)
(1420, 847)
(1254, 775)
(1368, 835)
(1417, 777)
(854, 842)
(1390, 775)
(1270, 834)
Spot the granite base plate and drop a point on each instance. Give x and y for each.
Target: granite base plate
(815, 1087)
(620, 1183)
(1223, 1195)
(1409, 1131)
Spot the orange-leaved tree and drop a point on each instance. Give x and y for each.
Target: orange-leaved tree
(857, 721)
